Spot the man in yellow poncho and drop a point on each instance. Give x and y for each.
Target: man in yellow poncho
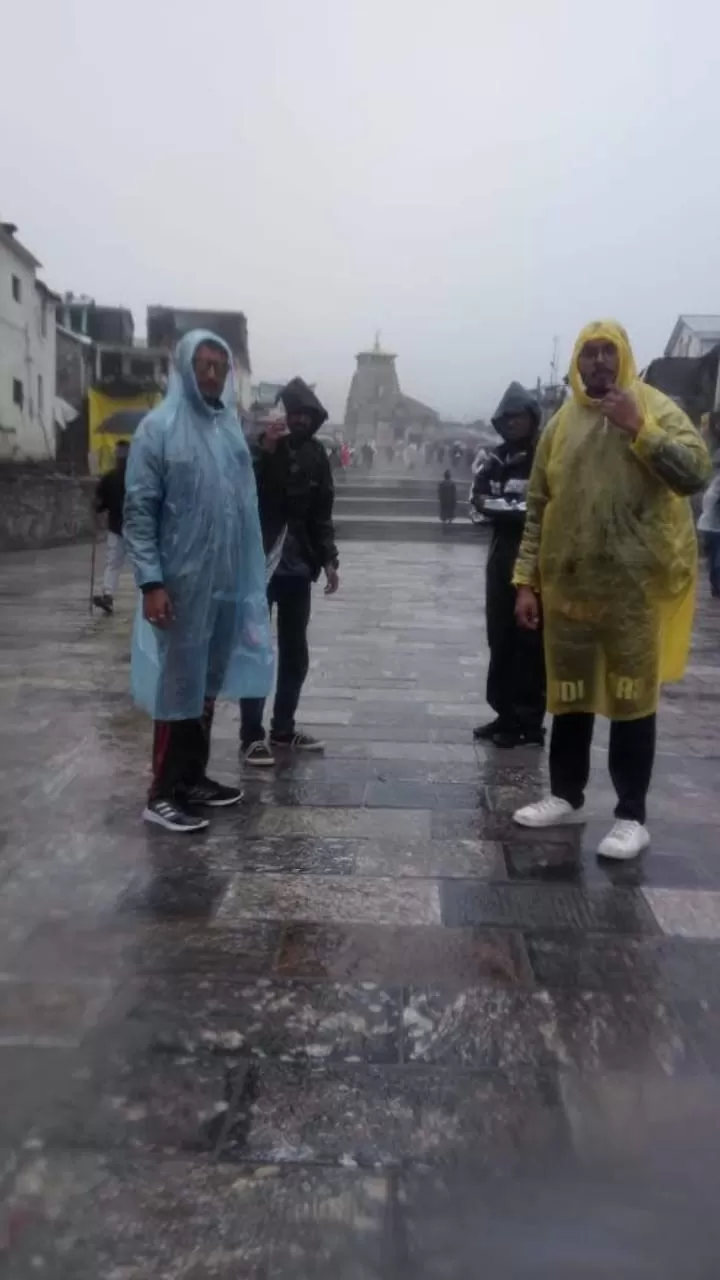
(610, 554)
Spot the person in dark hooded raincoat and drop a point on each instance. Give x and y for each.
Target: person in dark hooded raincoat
(447, 498)
(192, 532)
(296, 496)
(516, 675)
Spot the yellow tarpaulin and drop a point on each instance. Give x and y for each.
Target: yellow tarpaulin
(102, 435)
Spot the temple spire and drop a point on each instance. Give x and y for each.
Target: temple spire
(373, 392)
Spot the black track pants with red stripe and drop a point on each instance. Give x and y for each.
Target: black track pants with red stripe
(181, 750)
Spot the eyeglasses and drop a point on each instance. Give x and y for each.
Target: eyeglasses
(211, 364)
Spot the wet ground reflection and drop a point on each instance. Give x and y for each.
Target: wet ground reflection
(363, 1026)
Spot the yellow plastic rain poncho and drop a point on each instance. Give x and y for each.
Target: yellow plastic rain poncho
(610, 545)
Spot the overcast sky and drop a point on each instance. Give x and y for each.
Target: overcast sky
(468, 177)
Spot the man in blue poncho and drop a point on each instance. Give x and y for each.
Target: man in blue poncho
(192, 532)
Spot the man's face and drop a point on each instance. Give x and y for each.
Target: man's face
(299, 424)
(518, 426)
(211, 368)
(598, 365)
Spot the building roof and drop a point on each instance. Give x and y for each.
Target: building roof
(689, 380)
(7, 237)
(701, 324)
(376, 351)
(266, 394)
(413, 408)
(707, 326)
(49, 293)
(81, 338)
(376, 356)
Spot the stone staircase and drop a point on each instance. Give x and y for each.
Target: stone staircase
(397, 509)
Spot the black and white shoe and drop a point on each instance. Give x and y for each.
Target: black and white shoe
(258, 755)
(164, 813)
(211, 795)
(486, 732)
(296, 741)
(509, 738)
(104, 602)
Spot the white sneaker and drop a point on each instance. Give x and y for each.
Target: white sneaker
(550, 812)
(625, 841)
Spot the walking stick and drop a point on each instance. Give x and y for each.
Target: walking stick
(92, 565)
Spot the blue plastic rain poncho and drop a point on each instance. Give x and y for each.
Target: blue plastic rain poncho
(191, 524)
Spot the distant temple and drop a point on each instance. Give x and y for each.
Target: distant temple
(376, 407)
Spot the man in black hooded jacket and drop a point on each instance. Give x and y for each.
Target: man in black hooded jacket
(295, 500)
(516, 675)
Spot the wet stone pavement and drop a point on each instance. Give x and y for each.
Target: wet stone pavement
(363, 1029)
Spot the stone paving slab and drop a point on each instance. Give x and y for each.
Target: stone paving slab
(389, 1118)
(686, 913)
(408, 953)
(557, 1225)
(290, 1020)
(82, 1216)
(363, 1026)
(334, 899)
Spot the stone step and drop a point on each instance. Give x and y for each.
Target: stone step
(392, 505)
(364, 486)
(405, 528)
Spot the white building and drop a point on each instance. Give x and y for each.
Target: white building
(27, 354)
(693, 336)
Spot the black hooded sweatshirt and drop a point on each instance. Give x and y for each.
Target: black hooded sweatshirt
(511, 460)
(296, 491)
(110, 497)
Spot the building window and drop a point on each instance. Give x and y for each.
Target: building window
(18, 395)
(43, 319)
(111, 364)
(41, 397)
(16, 289)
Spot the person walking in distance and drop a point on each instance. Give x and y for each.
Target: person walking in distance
(447, 498)
(192, 532)
(295, 496)
(610, 552)
(516, 674)
(110, 498)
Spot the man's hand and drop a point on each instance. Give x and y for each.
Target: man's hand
(273, 432)
(623, 411)
(527, 609)
(333, 580)
(157, 608)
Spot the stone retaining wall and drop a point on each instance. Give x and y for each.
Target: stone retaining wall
(39, 508)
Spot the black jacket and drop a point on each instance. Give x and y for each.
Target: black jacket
(295, 487)
(110, 497)
(510, 462)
